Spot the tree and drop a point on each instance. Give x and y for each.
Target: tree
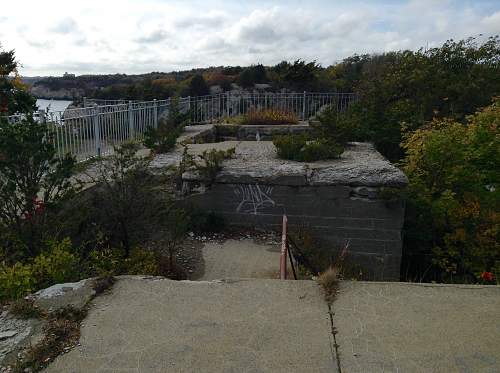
(198, 86)
(33, 180)
(454, 197)
(246, 78)
(14, 96)
(301, 76)
(407, 89)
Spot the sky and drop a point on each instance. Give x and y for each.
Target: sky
(51, 37)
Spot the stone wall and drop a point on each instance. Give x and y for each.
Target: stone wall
(336, 214)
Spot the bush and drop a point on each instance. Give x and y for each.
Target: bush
(339, 127)
(106, 262)
(269, 117)
(125, 201)
(302, 148)
(452, 221)
(206, 222)
(16, 281)
(56, 265)
(164, 138)
(142, 262)
(317, 150)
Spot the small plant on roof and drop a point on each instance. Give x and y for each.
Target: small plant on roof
(269, 117)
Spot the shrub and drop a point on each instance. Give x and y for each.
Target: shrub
(177, 225)
(164, 138)
(338, 127)
(106, 262)
(269, 117)
(206, 222)
(56, 265)
(452, 221)
(302, 148)
(212, 162)
(142, 262)
(316, 150)
(290, 146)
(16, 281)
(125, 202)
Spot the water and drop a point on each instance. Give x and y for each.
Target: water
(53, 105)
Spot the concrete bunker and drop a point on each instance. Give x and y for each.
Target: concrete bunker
(337, 200)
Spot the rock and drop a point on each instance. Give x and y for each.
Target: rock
(75, 294)
(15, 335)
(7, 334)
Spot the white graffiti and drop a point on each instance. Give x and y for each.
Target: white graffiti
(254, 198)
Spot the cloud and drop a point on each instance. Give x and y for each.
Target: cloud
(159, 35)
(153, 37)
(65, 26)
(210, 20)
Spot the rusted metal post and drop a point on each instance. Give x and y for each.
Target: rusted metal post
(283, 249)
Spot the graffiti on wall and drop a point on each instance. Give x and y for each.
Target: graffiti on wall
(253, 198)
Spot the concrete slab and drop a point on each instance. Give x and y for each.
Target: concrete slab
(159, 325)
(401, 327)
(240, 259)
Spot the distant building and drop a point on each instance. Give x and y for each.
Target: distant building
(68, 75)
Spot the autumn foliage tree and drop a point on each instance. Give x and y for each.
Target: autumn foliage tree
(453, 220)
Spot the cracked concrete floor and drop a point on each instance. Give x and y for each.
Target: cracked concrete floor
(242, 258)
(258, 325)
(159, 325)
(403, 327)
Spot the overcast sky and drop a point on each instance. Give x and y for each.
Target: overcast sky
(137, 36)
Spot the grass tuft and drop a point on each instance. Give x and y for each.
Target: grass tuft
(329, 281)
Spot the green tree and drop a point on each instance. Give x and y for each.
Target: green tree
(302, 76)
(14, 96)
(33, 180)
(198, 86)
(452, 227)
(407, 89)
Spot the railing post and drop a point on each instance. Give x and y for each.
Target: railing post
(304, 107)
(155, 113)
(228, 101)
(131, 129)
(189, 109)
(283, 249)
(41, 116)
(97, 130)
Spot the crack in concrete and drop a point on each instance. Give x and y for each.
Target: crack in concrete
(335, 349)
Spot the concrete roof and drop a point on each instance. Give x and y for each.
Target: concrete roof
(256, 161)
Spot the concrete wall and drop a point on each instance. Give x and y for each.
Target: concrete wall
(335, 213)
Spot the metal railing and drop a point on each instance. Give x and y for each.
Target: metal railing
(94, 130)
